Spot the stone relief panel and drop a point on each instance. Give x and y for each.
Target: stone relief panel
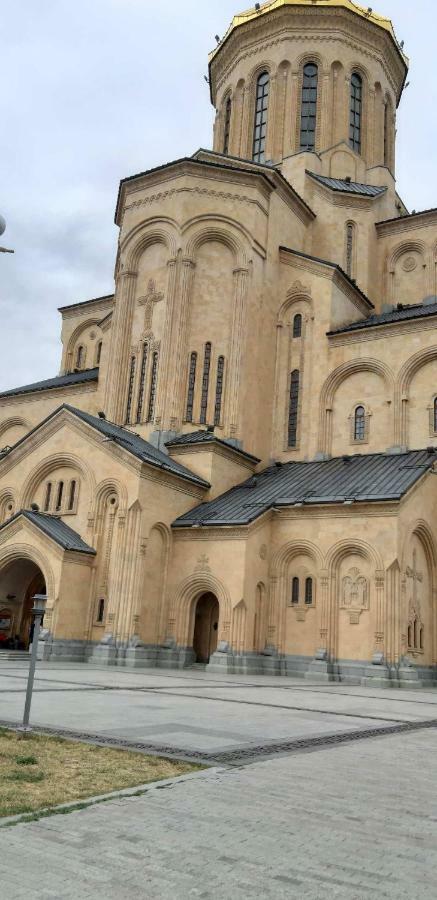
(354, 594)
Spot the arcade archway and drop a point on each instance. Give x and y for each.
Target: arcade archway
(206, 621)
(20, 580)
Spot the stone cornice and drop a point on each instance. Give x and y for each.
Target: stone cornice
(77, 309)
(222, 532)
(327, 270)
(62, 393)
(214, 167)
(339, 511)
(228, 453)
(314, 25)
(380, 332)
(425, 219)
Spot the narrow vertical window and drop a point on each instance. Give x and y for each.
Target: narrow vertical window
(308, 110)
(142, 388)
(386, 133)
(101, 611)
(360, 424)
(79, 357)
(98, 353)
(261, 115)
(205, 384)
(48, 496)
(297, 326)
(153, 382)
(219, 390)
(293, 408)
(356, 108)
(227, 129)
(435, 415)
(295, 591)
(421, 639)
(191, 386)
(350, 249)
(309, 591)
(72, 495)
(60, 495)
(130, 392)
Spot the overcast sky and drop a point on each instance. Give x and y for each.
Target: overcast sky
(95, 90)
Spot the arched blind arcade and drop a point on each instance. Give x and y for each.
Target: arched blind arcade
(356, 109)
(227, 129)
(360, 424)
(293, 408)
(261, 115)
(308, 110)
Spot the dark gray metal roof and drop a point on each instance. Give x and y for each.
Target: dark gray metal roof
(136, 445)
(348, 187)
(397, 315)
(55, 529)
(85, 302)
(60, 381)
(208, 437)
(371, 478)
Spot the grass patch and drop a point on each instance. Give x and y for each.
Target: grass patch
(55, 771)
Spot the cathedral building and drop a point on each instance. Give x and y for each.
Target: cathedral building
(236, 465)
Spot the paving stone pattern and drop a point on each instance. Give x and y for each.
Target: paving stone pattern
(350, 821)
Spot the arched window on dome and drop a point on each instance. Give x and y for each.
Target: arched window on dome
(297, 326)
(356, 110)
(142, 387)
(153, 385)
(360, 424)
(293, 409)
(227, 127)
(100, 611)
(350, 249)
(308, 591)
(205, 384)
(59, 496)
(72, 495)
(261, 116)
(219, 390)
(191, 387)
(80, 356)
(130, 391)
(48, 496)
(308, 109)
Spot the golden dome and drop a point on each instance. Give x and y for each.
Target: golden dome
(268, 7)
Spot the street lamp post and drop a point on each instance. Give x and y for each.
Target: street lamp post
(2, 229)
(39, 605)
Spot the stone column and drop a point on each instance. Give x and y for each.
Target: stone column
(121, 337)
(325, 113)
(246, 140)
(179, 345)
(272, 118)
(165, 384)
(233, 412)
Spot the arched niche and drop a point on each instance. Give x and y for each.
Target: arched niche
(418, 580)
(407, 272)
(12, 430)
(367, 382)
(151, 626)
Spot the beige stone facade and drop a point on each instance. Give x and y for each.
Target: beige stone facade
(274, 311)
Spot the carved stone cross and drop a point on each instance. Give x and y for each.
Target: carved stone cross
(416, 576)
(148, 301)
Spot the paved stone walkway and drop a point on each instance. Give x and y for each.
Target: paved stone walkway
(354, 822)
(347, 821)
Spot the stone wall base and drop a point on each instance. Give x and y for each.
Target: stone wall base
(319, 671)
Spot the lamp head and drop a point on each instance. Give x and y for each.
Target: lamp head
(39, 604)
(2, 225)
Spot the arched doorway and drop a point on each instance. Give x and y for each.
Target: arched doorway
(20, 580)
(206, 627)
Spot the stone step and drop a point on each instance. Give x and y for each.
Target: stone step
(14, 654)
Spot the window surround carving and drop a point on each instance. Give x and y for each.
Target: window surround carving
(302, 596)
(60, 497)
(432, 411)
(365, 425)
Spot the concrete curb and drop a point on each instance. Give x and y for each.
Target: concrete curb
(135, 791)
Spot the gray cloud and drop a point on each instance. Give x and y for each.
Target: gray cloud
(95, 90)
